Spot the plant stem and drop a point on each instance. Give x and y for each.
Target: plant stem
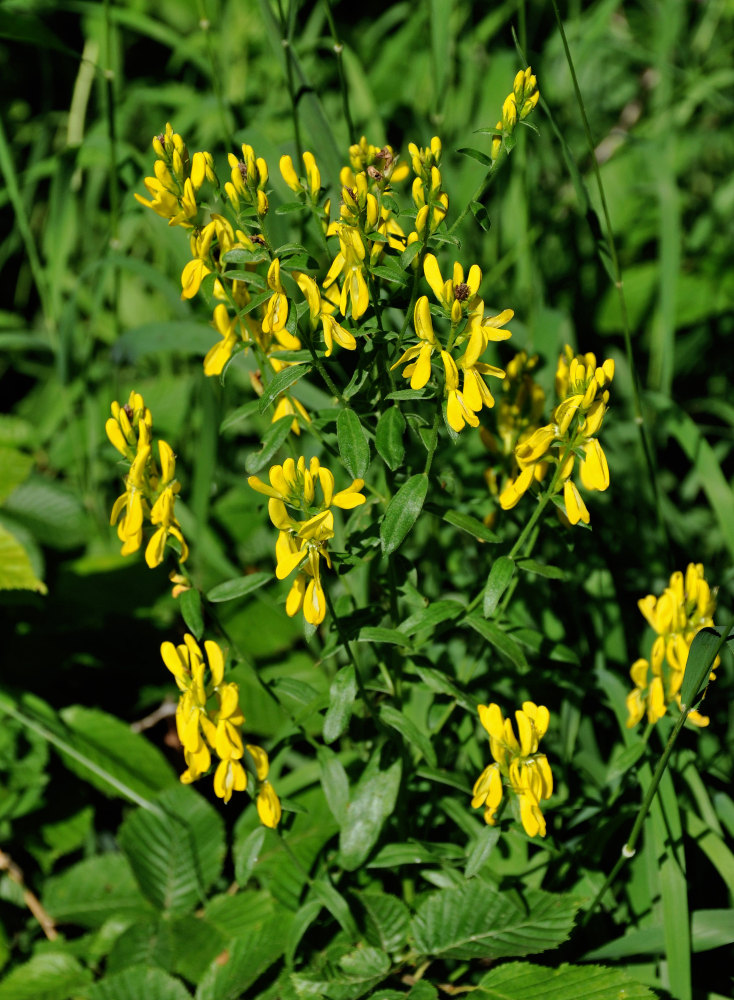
(338, 50)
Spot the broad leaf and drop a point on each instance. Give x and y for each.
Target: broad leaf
(372, 801)
(46, 977)
(402, 512)
(524, 981)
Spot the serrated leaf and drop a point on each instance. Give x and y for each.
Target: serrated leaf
(190, 604)
(244, 961)
(239, 915)
(137, 982)
(402, 512)
(499, 639)
(372, 801)
(93, 890)
(525, 981)
(53, 514)
(342, 693)
(479, 921)
(365, 963)
(16, 572)
(704, 649)
(108, 742)
(389, 437)
(471, 526)
(500, 576)
(354, 447)
(334, 782)
(283, 380)
(15, 467)
(176, 854)
(46, 977)
(388, 919)
(148, 943)
(241, 585)
(409, 731)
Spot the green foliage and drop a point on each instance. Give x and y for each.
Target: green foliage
(603, 221)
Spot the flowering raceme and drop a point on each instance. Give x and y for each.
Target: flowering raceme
(209, 718)
(150, 487)
(581, 389)
(516, 763)
(685, 607)
(470, 327)
(303, 542)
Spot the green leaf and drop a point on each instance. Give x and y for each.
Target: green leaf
(244, 961)
(54, 515)
(709, 929)
(389, 437)
(239, 915)
(16, 572)
(475, 154)
(137, 982)
(483, 847)
(480, 214)
(704, 649)
(111, 743)
(525, 981)
(148, 943)
(371, 803)
(240, 414)
(471, 526)
(93, 891)
(402, 512)
(301, 923)
(190, 604)
(379, 633)
(436, 613)
(162, 337)
(388, 919)
(334, 782)
(280, 382)
(46, 977)
(273, 439)
(500, 576)
(176, 854)
(354, 447)
(540, 569)
(241, 585)
(15, 467)
(409, 731)
(415, 853)
(410, 253)
(336, 904)
(245, 854)
(499, 639)
(342, 693)
(478, 920)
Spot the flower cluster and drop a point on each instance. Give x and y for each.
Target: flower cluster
(571, 434)
(430, 200)
(469, 327)
(518, 414)
(177, 180)
(150, 487)
(685, 607)
(209, 717)
(517, 106)
(517, 763)
(302, 542)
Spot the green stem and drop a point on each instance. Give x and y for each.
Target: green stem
(352, 659)
(480, 191)
(205, 26)
(285, 41)
(338, 50)
(618, 284)
(434, 443)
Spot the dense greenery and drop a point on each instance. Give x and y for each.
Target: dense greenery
(446, 595)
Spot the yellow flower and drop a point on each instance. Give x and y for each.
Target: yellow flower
(516, 763)
(303, 542)
(349, 264)
(419, 355)
(248, 179)
(456, 296)
(276, 311)
(685, 607)
(320, 310)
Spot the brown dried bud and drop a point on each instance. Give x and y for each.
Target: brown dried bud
(462, 292)
(242, 166)
(129, 411)
(374, 173)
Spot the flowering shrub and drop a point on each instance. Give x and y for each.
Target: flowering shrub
(396, 515)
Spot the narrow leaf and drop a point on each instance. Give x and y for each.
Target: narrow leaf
(704, 649)
(372, 802)
(342, 693)
(483, 847)
(389, 437)
(409, 731)
(232, 589)
(354, 447)
(334, 782)
(500, 576)
(499, 639)
(190, 605)
(280, 382)
(471, 525)
(402, 512)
